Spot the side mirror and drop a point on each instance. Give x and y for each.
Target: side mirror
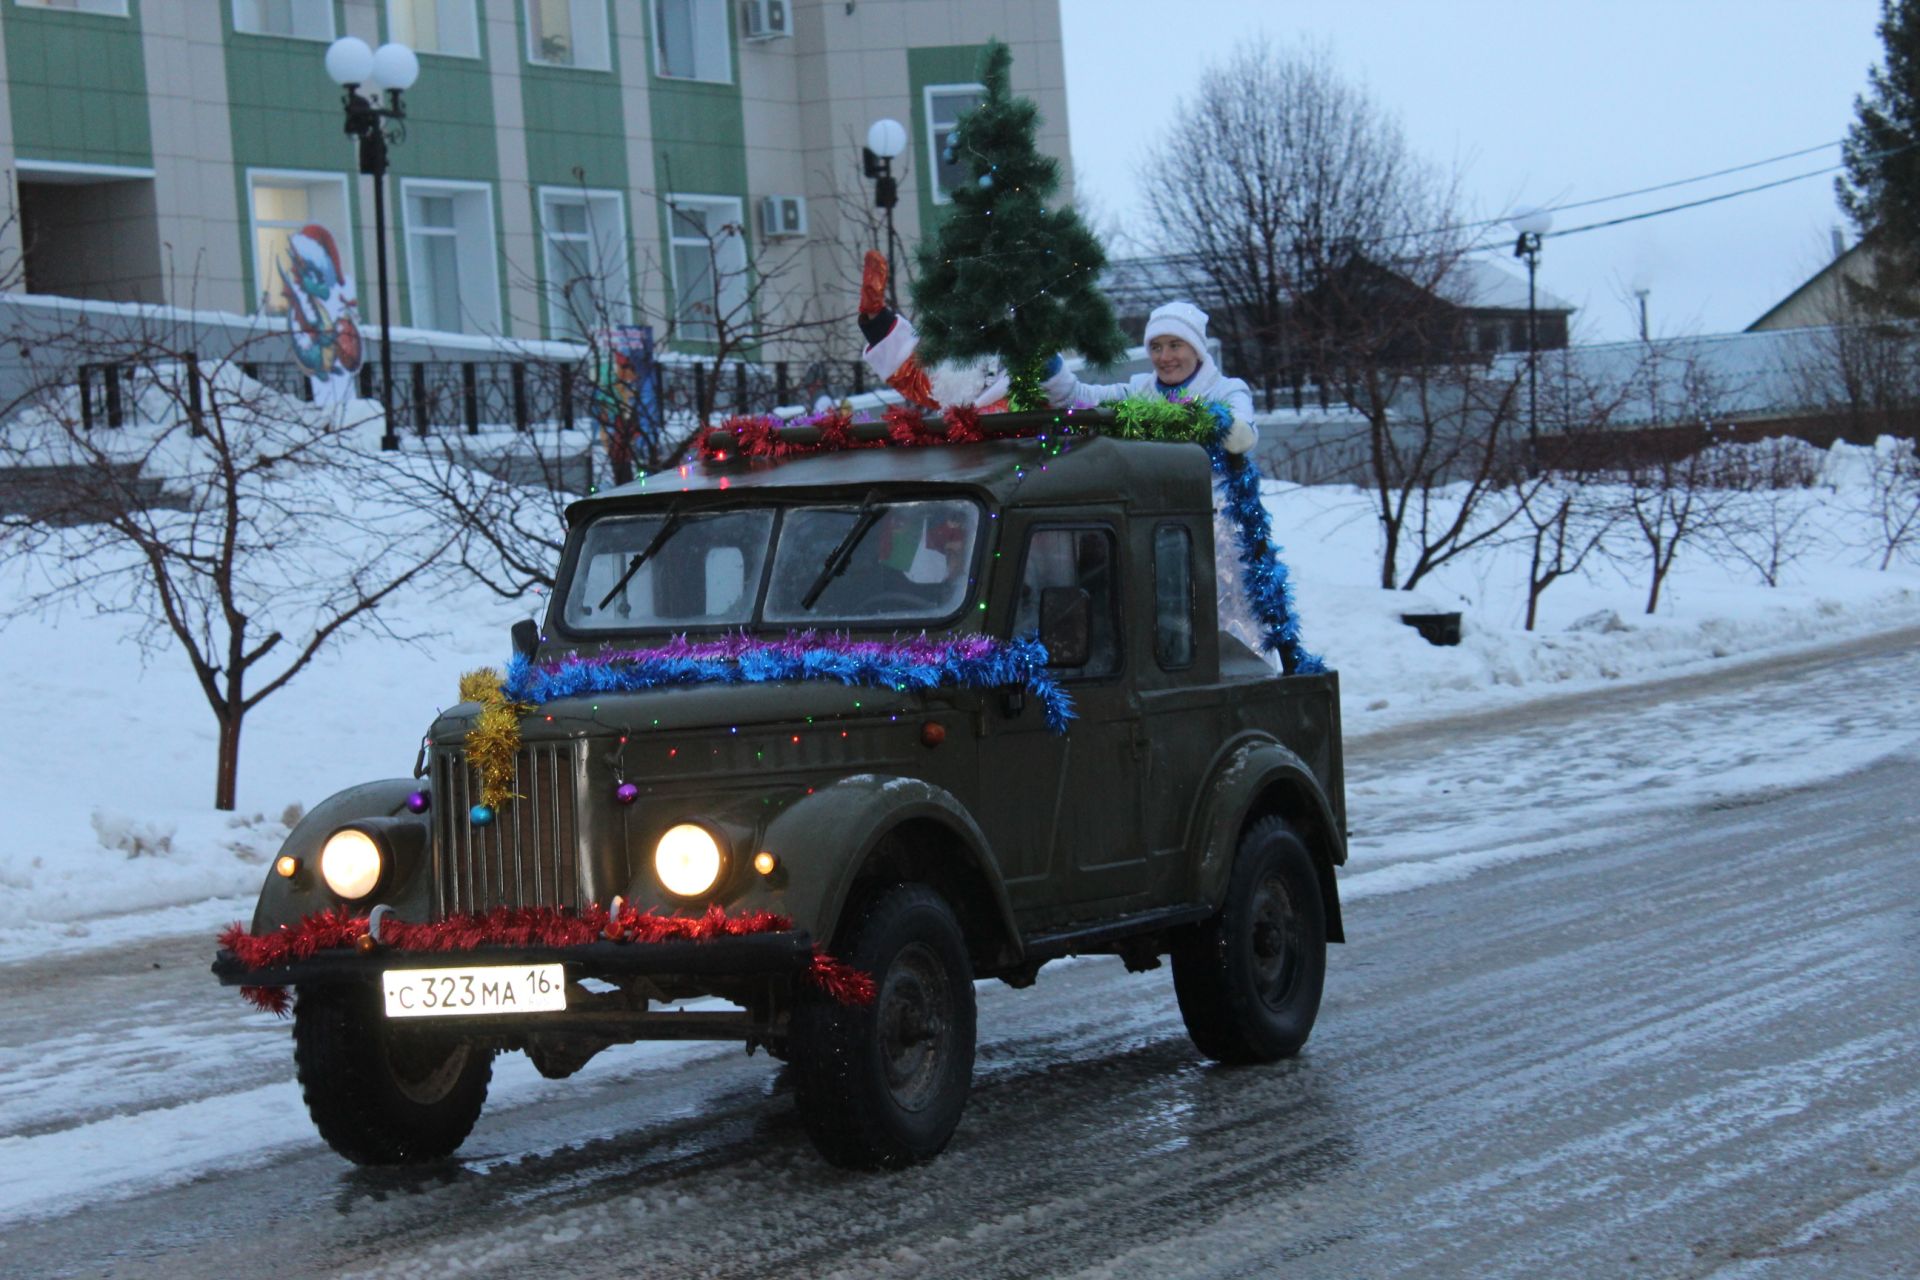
(1066, 626)
(526, 637)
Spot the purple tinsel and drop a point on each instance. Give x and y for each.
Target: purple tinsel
(966, 661)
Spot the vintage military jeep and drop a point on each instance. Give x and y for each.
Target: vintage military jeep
(783, 742)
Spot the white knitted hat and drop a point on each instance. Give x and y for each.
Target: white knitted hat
(1180, 320)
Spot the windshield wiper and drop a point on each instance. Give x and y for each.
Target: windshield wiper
(836, 562)
(667, 528)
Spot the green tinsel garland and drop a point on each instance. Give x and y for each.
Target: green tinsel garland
(1149, 417)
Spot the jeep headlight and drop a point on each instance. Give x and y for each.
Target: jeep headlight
(688, 860)
(351, 862)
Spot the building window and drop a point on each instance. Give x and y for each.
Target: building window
(301, 19)
(709, 248)
(1173, 597)
(586, 248)
(435, 26)
(453, 282)
(287, 256)
(690, 40)
(946, 103)
(106, 8)
(568, 33)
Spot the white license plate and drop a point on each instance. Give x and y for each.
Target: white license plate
(453, 993)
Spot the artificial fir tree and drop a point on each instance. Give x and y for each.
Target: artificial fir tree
(1006, 276)
(1880, 190)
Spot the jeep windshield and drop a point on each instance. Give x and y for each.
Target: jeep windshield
(912, 562)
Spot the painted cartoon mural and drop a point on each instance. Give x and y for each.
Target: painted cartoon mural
(322, 313)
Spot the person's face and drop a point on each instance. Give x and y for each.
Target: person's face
(1173, 359)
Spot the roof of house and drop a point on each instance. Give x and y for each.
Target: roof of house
(1727, 375)
(1138, 284)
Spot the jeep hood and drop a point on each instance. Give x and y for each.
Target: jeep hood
(702, 706)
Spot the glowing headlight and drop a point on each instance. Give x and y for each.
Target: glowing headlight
(687, 860)
(351, 862)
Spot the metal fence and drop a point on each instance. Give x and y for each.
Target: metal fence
(432, 396)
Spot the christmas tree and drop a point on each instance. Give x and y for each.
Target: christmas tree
(1006, 276)
(1881, 188)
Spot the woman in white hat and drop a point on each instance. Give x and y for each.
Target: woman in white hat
(1183, 369)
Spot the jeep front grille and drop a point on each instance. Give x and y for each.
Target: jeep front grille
(527, 856)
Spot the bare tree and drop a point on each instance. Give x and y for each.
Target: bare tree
(1893, 499)
(1672, 493)
(241, 528)
(1275, 182)
(1767, 527)
(1861, 365)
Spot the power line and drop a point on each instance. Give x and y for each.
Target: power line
(1687, 182)
(1695, 204)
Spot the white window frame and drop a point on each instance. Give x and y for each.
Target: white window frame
(732, 212)
(326, 7)
(606, 234)
(264, 277)
(715, 10)
(481, 308)
(97, 8)
(575, 8)
(411, 38)
(940, 195)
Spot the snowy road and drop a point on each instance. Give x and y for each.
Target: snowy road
(1632, 987)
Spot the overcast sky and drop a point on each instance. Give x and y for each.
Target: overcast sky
(1542, 103)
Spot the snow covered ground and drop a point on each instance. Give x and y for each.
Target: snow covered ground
(110, 760)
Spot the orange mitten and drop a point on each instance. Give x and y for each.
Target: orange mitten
(873, 285)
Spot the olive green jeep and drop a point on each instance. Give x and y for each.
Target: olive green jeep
(815, 744)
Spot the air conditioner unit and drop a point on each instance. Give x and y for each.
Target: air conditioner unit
(765, 19)
(783, 216)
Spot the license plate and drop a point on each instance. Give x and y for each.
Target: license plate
(454, 993)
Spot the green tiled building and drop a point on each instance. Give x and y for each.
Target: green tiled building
(682, 163)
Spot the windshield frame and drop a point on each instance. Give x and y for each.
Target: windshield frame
(780, 506)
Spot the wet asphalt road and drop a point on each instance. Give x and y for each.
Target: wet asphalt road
(1685, 1048)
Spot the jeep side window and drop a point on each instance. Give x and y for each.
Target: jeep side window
(1082, 558)
(1173, 597)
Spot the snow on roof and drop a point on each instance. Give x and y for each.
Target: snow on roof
(1731, 375)
(1487, 286)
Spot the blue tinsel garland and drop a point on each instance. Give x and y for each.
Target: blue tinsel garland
(972, 662)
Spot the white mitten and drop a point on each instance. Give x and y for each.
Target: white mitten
(1240, 437)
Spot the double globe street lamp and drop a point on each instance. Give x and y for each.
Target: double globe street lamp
(391, 69)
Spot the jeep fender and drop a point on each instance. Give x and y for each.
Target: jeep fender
(285, 900)
(1254, 776)
(836, 833)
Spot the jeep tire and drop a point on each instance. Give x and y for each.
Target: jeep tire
(1249, 979)
(882, 1085)
(381, 1094)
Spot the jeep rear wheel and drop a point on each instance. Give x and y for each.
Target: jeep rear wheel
(381, 1094)
(882, 1086)
(1249, 979)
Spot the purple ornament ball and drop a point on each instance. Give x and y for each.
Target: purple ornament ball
(626, 793)
(419, 802)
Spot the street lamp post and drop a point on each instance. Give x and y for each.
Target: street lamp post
(1532, 224)
(391, 69)
(885, 139)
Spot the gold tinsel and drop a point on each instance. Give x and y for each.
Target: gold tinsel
(494, 739)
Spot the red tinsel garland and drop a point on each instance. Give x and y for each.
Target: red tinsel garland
(336, 928)
(906, 428)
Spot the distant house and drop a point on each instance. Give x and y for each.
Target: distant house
(1480, 311)
(1821, 299)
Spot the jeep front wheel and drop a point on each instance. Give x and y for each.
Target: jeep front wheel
(381, 1094)
(1249, 979)
(882, 1086)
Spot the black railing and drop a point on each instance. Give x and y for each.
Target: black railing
(521, 395)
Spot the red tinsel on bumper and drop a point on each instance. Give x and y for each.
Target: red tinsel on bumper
(337, 928)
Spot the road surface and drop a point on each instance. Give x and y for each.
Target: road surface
(1632, 988)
